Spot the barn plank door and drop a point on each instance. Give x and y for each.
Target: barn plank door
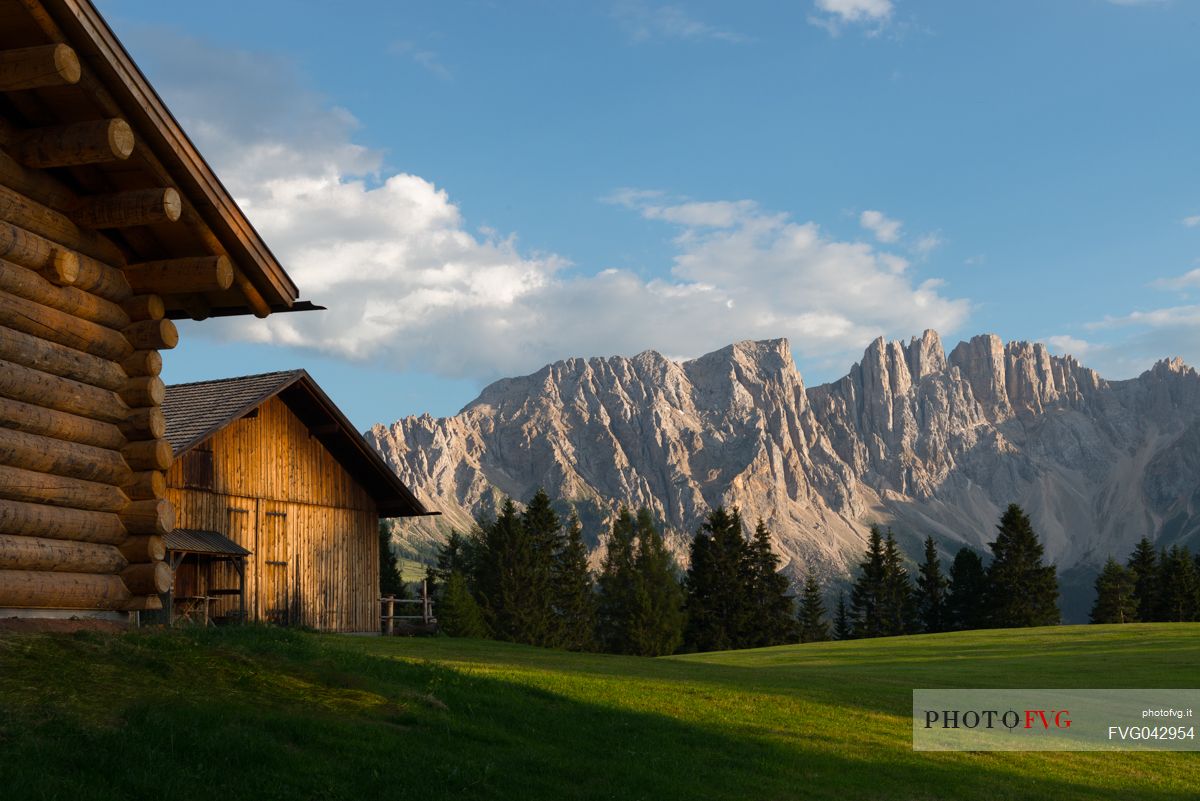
(242, 529)
(275, 547)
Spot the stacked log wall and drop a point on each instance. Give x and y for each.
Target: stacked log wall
(82, 454)
(81, 424)
(278, 492)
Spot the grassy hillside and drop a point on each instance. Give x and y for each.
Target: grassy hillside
(260, 713)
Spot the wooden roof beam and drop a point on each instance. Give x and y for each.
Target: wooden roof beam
(91, 142)
(181, 276)
(37, 67)
(130, 209)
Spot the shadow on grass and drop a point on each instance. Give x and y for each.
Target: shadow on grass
(263, 714)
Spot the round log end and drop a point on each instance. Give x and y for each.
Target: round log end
(151, 454)
(120, 138)
(169, 334)
(156, 392)
(148, 578)
(63, 268)
(66, 64)
(224, 272)
(145, 548)
(145, 307)
(172, 204)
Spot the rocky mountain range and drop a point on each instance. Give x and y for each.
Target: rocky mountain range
(914, 438)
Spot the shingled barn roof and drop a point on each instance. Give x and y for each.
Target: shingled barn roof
(199, 410)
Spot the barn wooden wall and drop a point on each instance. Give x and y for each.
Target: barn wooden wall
(279, 493)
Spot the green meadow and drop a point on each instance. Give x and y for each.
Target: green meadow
(259, 713)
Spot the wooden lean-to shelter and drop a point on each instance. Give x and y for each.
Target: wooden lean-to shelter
(111, 226)
(278, 500)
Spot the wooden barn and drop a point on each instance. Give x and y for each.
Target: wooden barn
(277, 500)
(111, 226)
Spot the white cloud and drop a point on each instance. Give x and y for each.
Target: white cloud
(834, 15)
(645, 21)
(926, 244)
(1170, 317)
(711, 214)
(1067, 345)
(1193, 221)
(410, 286)
(426, 59)
(885, 230)
(1189, 280)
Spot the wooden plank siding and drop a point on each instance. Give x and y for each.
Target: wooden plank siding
(277, 491)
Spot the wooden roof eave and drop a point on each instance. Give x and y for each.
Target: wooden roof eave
(82, 27)
(409, 505)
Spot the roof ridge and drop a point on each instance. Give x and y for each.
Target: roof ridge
(293, 372)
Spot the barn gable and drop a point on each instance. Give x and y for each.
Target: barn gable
(269, 463)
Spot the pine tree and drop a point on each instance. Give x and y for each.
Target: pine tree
(772, 613)
(656, 625)
(842, 628)
(1143, 564)
(618, 587)
(1177, 586)
(511, 589)
(931, 591)
(813, 626)
(718, 609)
(575, 599)
(1115, 602)
(898, 608)
(456, 553)
(1021, 591)
(390, 580)
(866, 594)
(544, 535)
(967, 599)
(459, 614)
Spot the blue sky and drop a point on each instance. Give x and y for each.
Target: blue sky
(477, 188)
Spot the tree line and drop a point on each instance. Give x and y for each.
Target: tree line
(1016, 589)
(1151, 587)
(524, 577)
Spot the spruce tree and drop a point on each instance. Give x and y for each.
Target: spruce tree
(718, 608)
(618, 587)
(656, 625)
(866, 594)
(966, 600)
(1177, 586)
(390, 580)
(842, 628)
(544, 536)
(898, 607)
(1143, 564)
(813, 626)
(1021, 591)
(932, 606)
(456, 553)
(772, 618)
(458, 613)
(1115, 602)
(511, 580)
(575, 599)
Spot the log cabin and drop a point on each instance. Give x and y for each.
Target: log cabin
(111, 226)
(277, 500)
